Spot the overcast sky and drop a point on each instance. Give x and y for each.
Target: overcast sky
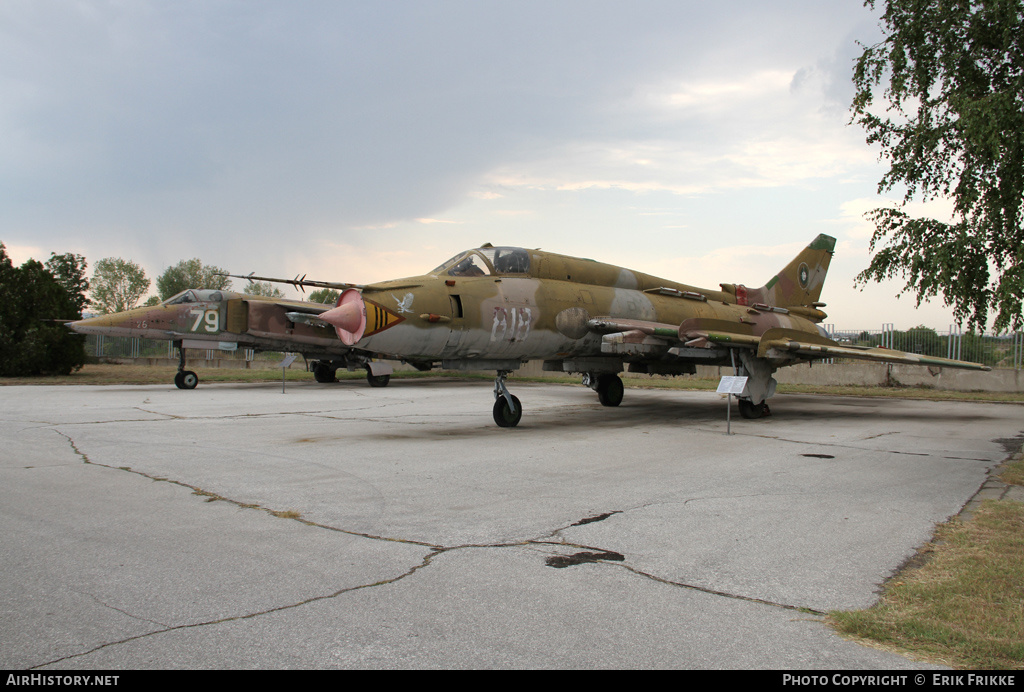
(367, 140)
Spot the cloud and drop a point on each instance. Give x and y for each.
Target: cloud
(856, 225)
(231, 129)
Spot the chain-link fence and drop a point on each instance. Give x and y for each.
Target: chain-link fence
(1005, 351)
(996, 351)
(99, 346)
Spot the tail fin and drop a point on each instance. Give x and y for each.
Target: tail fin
(799, 284)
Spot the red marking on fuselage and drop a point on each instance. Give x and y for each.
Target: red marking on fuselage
(741, 294)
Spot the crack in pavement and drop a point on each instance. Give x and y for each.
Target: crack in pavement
(196, 490)
(552, 539)
(715, 592)
(234, 618)
(121, 610)
(838, 445)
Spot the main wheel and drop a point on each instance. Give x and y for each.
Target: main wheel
(750, 410)
(323, 372)
(377, 380)
(610, 390)
(186, 379)
(503, 415)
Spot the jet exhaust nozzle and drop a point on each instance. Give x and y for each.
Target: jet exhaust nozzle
(348, 317)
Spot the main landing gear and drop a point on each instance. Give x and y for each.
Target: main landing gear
(760, 383)
(752, 411)
(507, 409)
(325, 371)
(184, 379)
(608, 386)
(377, 380)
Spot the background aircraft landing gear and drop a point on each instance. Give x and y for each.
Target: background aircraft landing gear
(324, 372)
(507, 410)
(750, 410)
(186, 379)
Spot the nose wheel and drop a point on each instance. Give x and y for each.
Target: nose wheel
(507, 409)
(507, 415)
(184, 379)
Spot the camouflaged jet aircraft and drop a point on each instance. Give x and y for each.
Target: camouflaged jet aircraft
(495, 308)
(224, 320)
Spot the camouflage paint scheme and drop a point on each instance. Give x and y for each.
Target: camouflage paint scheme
(495, 308)
(225, 320)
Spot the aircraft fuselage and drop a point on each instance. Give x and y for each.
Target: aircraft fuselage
(554, 310)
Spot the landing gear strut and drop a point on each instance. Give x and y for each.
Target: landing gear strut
(184, 379)
(507, 409)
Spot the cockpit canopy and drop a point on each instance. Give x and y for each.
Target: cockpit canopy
(487, 261)
(195, 295)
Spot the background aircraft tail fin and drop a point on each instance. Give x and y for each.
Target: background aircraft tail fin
(799, 284)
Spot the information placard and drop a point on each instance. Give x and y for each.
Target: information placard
(732, 384)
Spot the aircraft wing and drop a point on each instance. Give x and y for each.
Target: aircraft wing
(643, 338)
(781, 341)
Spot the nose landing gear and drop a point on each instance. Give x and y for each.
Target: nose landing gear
(507, 409)
(184, 379)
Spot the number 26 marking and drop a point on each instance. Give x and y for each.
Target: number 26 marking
(209, 319)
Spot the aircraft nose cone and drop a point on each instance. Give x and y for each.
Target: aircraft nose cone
(92, 325)
(348, 318)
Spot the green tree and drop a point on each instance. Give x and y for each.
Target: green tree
(117, 285)
(926, 341)
(69, 270)
(191, 274)
(263, 288)
(324, 295)
(34, 305)
(951, 75)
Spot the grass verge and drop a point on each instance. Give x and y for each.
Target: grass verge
(962, 607)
